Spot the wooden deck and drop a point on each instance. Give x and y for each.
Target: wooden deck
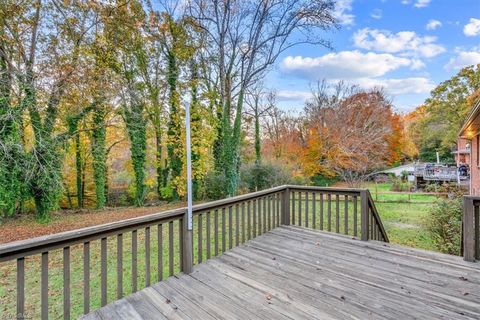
(297, 273)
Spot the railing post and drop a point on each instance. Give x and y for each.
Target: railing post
(187, 243)
(286, 207)
(468, 223)
(364, 214)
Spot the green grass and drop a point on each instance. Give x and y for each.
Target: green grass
(397, 196)
(404, 223)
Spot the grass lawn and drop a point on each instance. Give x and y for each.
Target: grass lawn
(404, 217)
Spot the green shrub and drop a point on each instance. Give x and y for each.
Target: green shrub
(445, 224)
(166, 192)
(215, 186)
(322, 181)
(398, 185)
(261, 176)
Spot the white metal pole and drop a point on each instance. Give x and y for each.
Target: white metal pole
(189, 167)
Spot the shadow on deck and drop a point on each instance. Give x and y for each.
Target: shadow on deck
(296, 273)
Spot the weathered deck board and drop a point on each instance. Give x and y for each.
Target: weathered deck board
(298, 273)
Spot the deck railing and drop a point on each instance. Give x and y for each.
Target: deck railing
(470, 228)
(147, 249)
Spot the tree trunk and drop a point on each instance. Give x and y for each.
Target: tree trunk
(99, 154)
(174, 127)
(136, 127)
(78, 166)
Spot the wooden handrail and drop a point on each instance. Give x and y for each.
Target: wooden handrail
(219, 225)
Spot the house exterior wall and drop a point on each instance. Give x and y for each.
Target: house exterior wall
(461, 156)
(475, 166)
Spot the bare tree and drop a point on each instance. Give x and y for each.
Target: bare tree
(259, 102)
(244, 39)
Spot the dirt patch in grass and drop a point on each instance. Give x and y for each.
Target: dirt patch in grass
(25, 227)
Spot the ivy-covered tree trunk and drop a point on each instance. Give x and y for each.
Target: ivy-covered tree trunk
(11, 150)
(78, 167)
(258, 154)
(45, 158)
(99, 154)
(195, 123)
(136, 128)
(231, 147)
(174, 126)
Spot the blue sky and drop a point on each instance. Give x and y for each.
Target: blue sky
(406, 46)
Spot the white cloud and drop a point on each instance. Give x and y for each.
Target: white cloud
(472, 28)
(405, 42)
(343, 13)
(421, 3)
(364, 69)
(376, 14)
(463, 59)
(433, 24)
(346, 65)
(405, 2)
(291, 95)
(398, 86)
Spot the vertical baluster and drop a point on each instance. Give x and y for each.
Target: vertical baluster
(200, 238)
(249, 222)
(279, 200)
(306, 209)
(147, 256)
(66, 283)
(208, 236)
(259, 216)
(119, 266)
(237, 226)
(86, 277)
(293, 207)
(345, 198)
(372, 223)
(274, 210)
(103, 259)
(269, 212)
(314, 208)
(21, 287)
(329, 199)
(215, 231)
(300, 199)
(230, 227)
(355, 213)
(254, 218)
(337, 213)
(321, 211)
(181, 237)
(265, 222)
(224, 238)
(134, 261)
(44, 286)
(160, 252)
(243, 222)
(170, 248)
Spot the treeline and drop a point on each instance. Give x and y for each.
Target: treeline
(434, 126)
(344, 133)
(85, 78)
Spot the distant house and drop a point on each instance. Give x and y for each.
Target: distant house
(462, 154)
(398, 171)
(469, 136)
